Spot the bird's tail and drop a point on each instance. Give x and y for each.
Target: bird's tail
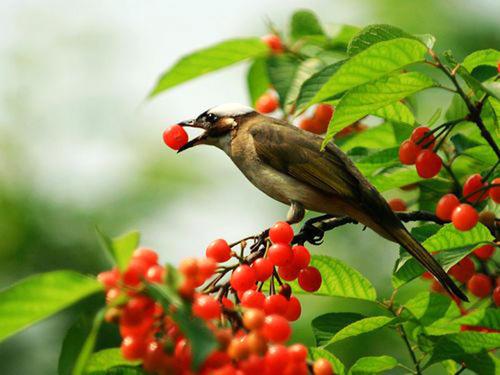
(415, 248)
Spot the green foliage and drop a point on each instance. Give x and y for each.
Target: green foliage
(105, 361)
(257, 79)
(208, 60)
(371, 64)
(451, 246)
(329, 330)
(41, 296)
(304, 24)
(372, 96)
(79, 344)
(120, 248)
(373, 365)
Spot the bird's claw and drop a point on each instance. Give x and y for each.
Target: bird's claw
(312, 234)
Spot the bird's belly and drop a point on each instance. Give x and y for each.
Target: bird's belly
(286, 189)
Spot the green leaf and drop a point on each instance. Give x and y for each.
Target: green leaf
(304, 23)
(39, 296)
(463, 347)
(451, 246)
(373, 63)
(372, 163)
(305, 70)
(450, 366)
(341, 35)
(434, 312)
(487, 317)
(201, 339)
(313, 84)
(373, 365)
(367, 98)
(79, 344)
(395, 178)
(489, 57)
(257, 80)
(431, 190)
(100, 362)
(120, 248)
(396, 112)
(381, 136)
(317, 353)
(281, 69)
(339, 280)
(208, 60)
(435, 117)
(457, 109)
(359, 327)
(373, 34)
(328, 325)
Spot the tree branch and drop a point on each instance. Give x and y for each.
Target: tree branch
(474, 111)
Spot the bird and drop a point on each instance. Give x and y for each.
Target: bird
(289, 165)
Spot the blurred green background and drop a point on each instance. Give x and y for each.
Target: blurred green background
(80, 146)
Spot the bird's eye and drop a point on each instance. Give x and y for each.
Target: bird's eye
(211, 118)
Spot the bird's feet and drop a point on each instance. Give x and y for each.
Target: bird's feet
(312, 233)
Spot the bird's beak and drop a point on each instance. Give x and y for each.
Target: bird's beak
(199, 139)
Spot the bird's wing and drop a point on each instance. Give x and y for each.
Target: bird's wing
(297, 153)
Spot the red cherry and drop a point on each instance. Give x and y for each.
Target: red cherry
(276, 358)
(206, 307)
(154, 357)
(276, 304)
(301, 256)
(189, 267)
(480, 285)
(175, 137)
(294, 309)
(133, 347)
(446, 205)
(495, 191)
(310, 279)
(298, 352)
(267, 103)
(263, 268)
(281, 232)
(289, 272)
(472, 184)
(312, 125)
(463, 270)
(135, 271)
(243, 278)
(322, 367)
(484, 252)
(280, 254)
(397, 204)
(253, 365)
(146, 255)
(112, 294)
(408, 152)
(219, 251)
(206, 268)
(155, 274)
(182, 353)
(253, 299)
(428, 164)
(323, 113)
(227, 303)
(422, 136)
(109, 279)
(464, 217)
(274, 42)
(276, 329)
(496, 296)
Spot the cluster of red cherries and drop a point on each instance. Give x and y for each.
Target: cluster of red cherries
(418, 151)
(250, 327)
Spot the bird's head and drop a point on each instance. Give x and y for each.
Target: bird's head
(217, 123)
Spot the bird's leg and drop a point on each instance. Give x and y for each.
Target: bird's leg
(311, 233)
(295, 213)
